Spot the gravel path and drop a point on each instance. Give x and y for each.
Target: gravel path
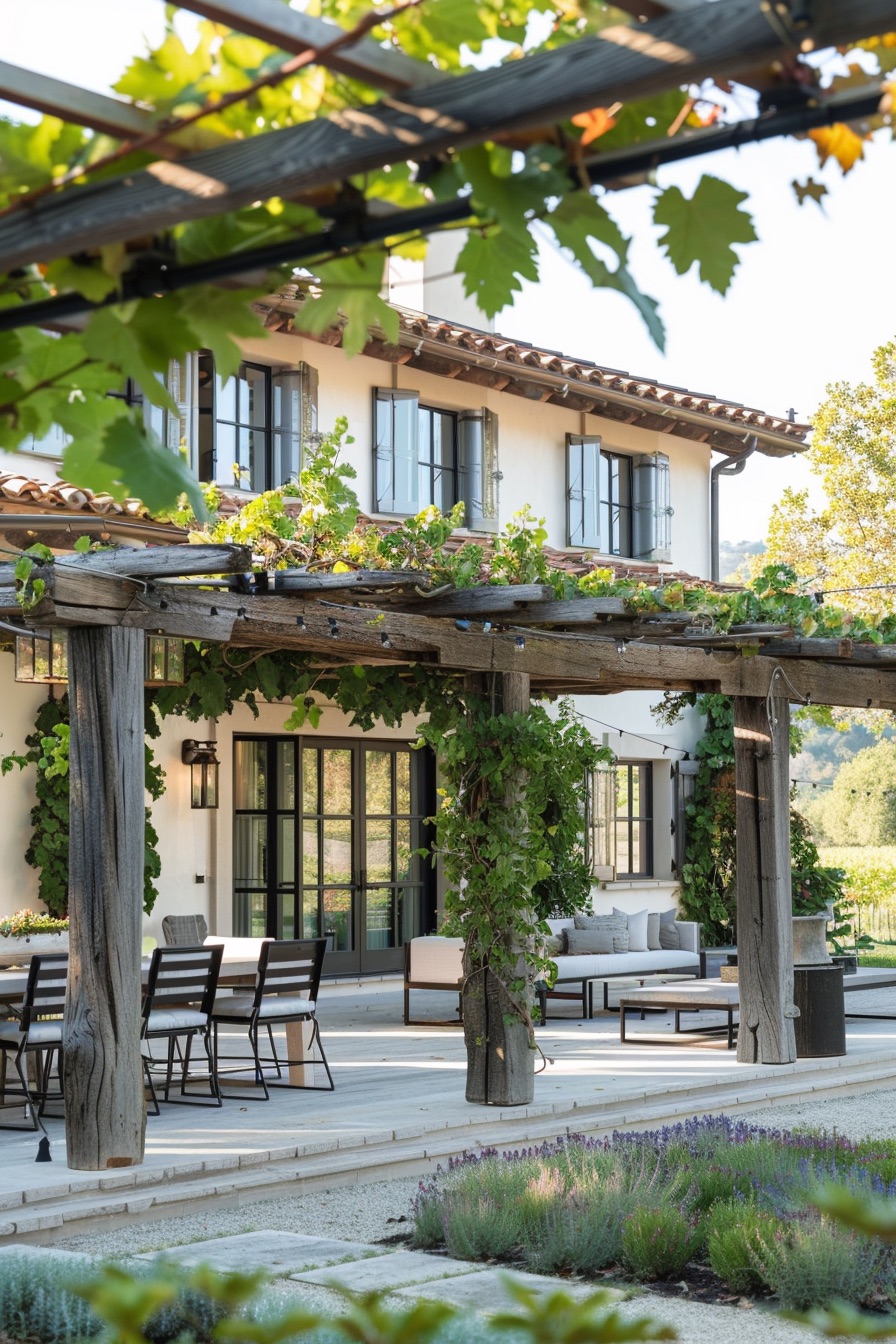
(379, 1210)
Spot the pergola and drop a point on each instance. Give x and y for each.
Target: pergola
(109, 600)
(532, 643)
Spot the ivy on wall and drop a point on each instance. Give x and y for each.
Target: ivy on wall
(708, 891)
(47, 749)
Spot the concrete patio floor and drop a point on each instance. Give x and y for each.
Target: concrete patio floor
(399, 1108)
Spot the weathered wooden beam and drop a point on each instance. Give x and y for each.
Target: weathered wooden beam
(103, 1070)
(848, 650)
(764, 902)
(71, 103)
(316, 581)
(163, 562)
(291, 30)
(487, 600)
(621, 63)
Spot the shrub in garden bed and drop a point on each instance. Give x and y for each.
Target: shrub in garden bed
(713, 1190)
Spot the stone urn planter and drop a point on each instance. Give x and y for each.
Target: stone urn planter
(16, 949)
(810, 946)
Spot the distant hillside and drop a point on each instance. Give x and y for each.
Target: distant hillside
(734, 558)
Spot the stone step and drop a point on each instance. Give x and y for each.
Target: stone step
(44, 1215)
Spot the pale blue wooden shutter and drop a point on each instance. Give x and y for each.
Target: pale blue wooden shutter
(477, 443)
(177, 432)
(395, 420)
(651, 508)
(582, 490)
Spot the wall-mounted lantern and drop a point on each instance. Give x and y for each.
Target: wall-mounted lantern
(203, 763)
(42, 657)
(164, 661)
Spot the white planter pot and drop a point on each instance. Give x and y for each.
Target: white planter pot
(809, 940)
(15, 950)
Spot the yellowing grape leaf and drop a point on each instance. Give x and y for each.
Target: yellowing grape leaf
(838, 142)
(594, 123)
(704, 229)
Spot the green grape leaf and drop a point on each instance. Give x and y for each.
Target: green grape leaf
(128, 462)
(91, 281)
(513, 198)
(494, 264)
(441, 27)
(116, 342)
(578, 218)
(704, 229)
(215, 317)
(350, 290)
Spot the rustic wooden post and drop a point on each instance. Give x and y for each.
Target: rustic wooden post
(500, 1058)
(105, 1110)
(764, 907)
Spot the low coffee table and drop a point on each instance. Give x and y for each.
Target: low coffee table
(690, 997)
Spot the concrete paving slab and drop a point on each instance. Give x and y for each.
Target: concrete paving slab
(277, 1253)
(399, 1269)
(486, 1290)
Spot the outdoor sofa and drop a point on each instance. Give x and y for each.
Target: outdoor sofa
(435, 963)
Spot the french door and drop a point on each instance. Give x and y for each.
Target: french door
(326, 834)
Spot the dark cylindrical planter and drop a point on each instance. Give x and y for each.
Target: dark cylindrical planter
(821, 1026)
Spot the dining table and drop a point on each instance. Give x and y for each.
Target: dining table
(238, 970)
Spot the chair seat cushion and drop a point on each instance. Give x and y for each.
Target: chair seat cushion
(175, 1019)
(39, 1033)
(274, 1006)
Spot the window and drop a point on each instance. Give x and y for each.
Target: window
(428, 455)
(616, 503)
(634, 819)
(250, 429)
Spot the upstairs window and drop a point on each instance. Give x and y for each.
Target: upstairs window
(617, 503)
(426, 455)
(250, 429)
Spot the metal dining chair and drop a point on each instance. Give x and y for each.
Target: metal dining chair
(37, 1031)
(286, 988)
(177, 1005)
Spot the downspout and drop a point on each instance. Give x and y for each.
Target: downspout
(726, 467)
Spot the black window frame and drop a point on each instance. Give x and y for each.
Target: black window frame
(630, 822)
(427, 466)
(615, 514)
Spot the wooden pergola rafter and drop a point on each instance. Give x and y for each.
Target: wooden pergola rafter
(722, 40)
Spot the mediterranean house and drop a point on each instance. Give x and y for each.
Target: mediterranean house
(315, 831)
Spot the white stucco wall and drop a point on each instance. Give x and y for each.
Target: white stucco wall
(532, 438)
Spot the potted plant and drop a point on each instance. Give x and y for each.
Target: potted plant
(847, 938)
(29, 931)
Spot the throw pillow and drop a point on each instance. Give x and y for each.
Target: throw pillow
(653, 933)
(601, 941)
(555, 945)
(669, 936)
(617, 923)
(637, 929)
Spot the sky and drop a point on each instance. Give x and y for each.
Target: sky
(808, 305)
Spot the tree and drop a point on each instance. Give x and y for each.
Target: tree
(848, 545)
(860, 807)
(228, 87)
